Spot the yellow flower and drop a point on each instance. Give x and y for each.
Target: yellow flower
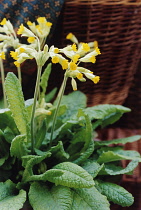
(74, 47)
(95, 44)
(97, 50)
(79, 76)
(75, 58)
(64, 64)
(3, 22)
(92, 59)
(56, 50)
(73, 66)
(14, 55)
(29, 23)
(31, 39)
(55, 59)
(85, 47)
(96, 79)
(2, 55)
(41, 20)
(20, 30)
(21, 49)
(69, 36)
(17, 63)
(48, 24)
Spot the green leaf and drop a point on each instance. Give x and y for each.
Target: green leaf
(59, 152)
(106, 113)
(92, 167)
(50, 95)
(44, 79)
(10, 199)
(56, 198)
(6, 120)
(40, 136)
(73, 176)
(115, 193)
(73, 101)
(18, 147)
(86, 154)
(90, 199)
(16, 103)
(111, 156)
(28, 162)
(119, 141)
(111, 169)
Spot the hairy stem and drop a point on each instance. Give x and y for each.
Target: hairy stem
(61, 93)
(34, 107)
(3, 78)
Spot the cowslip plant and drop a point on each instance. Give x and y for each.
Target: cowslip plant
(49, 155)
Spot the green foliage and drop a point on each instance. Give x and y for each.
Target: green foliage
(70, 173)
(16, 103)
(10, 198)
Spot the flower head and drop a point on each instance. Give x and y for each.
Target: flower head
(2, 55)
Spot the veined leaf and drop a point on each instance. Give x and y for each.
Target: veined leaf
(28, 162)
(73, 176)
(90, 199)
(16, 103)
(115, 170)
(85, 155)
(9, 198)
(7, 120)
(111, 156)
(105, 114)
(18, 147)
(56, 198)
(92, 167)
(115, 193)
(73, 101)
(119, 141)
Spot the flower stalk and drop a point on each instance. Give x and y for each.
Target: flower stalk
(61, 93)
(3, 79)
(34, 107)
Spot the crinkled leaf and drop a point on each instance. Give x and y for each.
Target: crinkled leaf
(86, 154)
(115, 193)
(73, 101)
(16, 103)
(116, 170)
(90, 199)
(92, 167)
(10, 199)
(29, 161)
(8, 134)
(119, 141)
(7, 120)
(111, 156)
(59, 152)
(56, 198)
(104, 110)
(40, 136)
(73, 176)
(18, 147)
(106, 113)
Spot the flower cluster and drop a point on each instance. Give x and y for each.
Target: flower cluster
(68, 57)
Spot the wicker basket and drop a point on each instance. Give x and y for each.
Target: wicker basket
(116, 25)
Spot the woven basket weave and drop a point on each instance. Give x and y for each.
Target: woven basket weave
(116, 25)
